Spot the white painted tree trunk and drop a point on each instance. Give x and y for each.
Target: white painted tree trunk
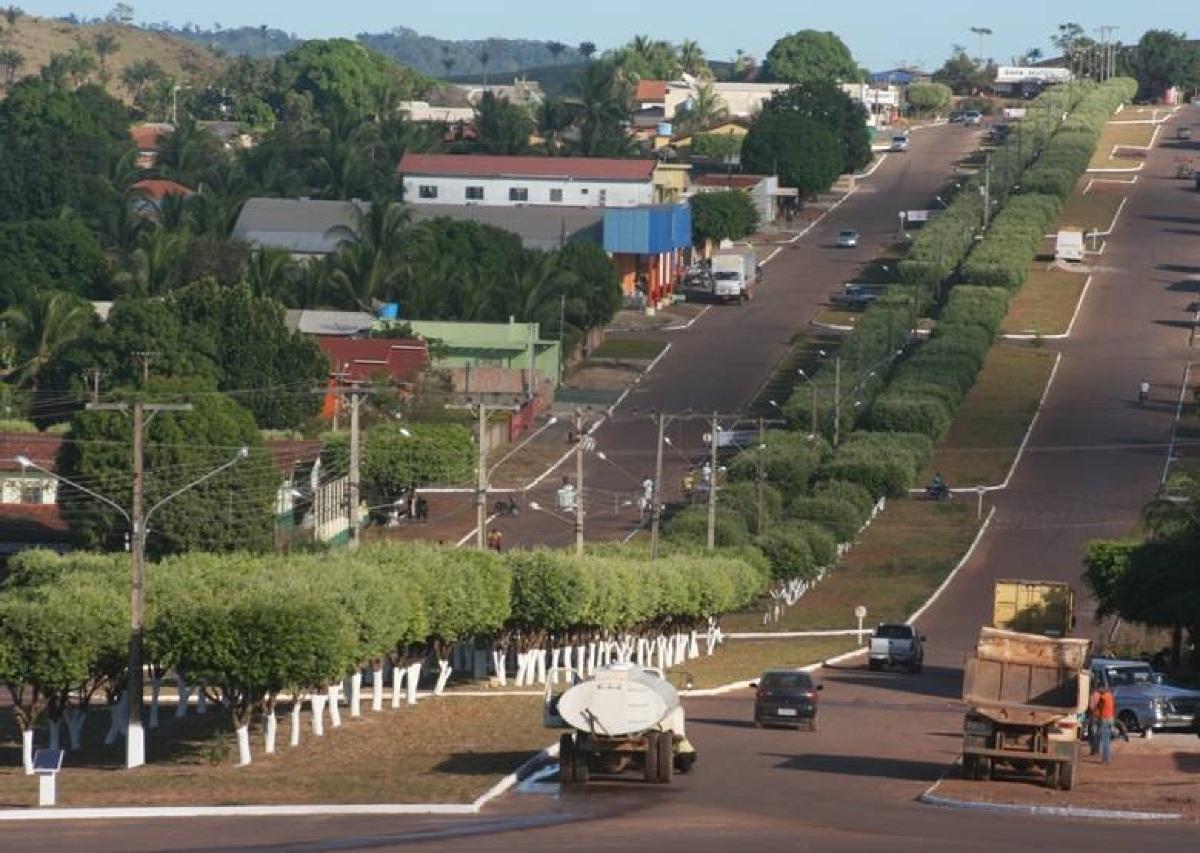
(75, 720)
(500, 663)
(414, 676)
(568, 658)
(581, 660)
(27, 751)
(55, 728)
(693, 646)
(356, 694)
(243, 742)
(155, 692)
(444, 670)
(641, 652)
(318, 701)
(116, 724)
(523, 660)
(377, 688)
(185, 692)
(397, 684)
(335, 713)
(540, 657)
(270, 731)
(591, 658)
(201, 699)
(297, 707)
(555, 661)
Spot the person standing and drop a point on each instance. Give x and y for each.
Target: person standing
(1093, 719)
(1106, 717)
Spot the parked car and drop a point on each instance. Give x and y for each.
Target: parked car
(972, 117)
(894, 644)
(1145, 703)
(956, 116)
(899, 142)
(853, 296)
(847, 239)
(1184, 132)
(785, 697)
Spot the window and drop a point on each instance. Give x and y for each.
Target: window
(603, 197)
(31, 492)
(556, 195)
(427, 191)
(474, 193)
(583, 191)
(518, 194)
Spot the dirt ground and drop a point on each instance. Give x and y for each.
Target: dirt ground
(1159, 775)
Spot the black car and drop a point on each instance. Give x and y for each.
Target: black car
(852, 296)
(785, 697)
(956, 116)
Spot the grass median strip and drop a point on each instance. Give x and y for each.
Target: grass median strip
(989, 427)
(1045, 304)
(447, 750)
(901, 559)
(1093, 210)
(738, 660)
(1114, 137)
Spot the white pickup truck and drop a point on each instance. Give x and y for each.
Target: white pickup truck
(734, 272)
(896, 643)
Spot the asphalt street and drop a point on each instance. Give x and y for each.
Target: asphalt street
(1093, 459)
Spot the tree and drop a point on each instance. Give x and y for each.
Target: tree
(11, 61)
(692, 60)
(1164, 59)
(602, 102)
(556, 48)
(644, 58)
(367, 267)
(55, 254)
(140, 77)
(725, 215)
(105, 45)
(13, 14)
(501, 127)
(810, 56)
(833, 108)
(802, 150)
(553, 118)
(233, 511)
(704, 109)
(588, 49)
(340, 73)
(960, 73)
(398, 457)
(592, 287)
(928, 98)
(42, 327)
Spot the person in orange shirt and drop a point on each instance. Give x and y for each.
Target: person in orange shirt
(1106, 717)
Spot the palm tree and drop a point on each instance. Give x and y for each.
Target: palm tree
(81, 65)
(599, 97)
(344, 147)
(691, 59)
(271, 273)
(553, 117)
(42, 327)
(154, 266)
(485, 57)
(105, 45)
(706, 108)
(587, 49)
(556, 49)
(10, 63)
(370, 265)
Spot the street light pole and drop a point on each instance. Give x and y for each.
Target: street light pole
(760, 475)
(837, 400)
(712, 486)
(656, 492)
(580, 442)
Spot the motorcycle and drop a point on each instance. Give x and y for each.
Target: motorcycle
(506, 509)
(939, 492)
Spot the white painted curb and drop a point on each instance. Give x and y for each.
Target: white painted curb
(931, 799)
(912, 620)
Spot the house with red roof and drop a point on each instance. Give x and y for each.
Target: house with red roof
(514, 181)
(399, 362)
(148, 139)
(147, 196)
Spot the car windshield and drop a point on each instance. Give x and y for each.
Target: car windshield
(894, 632)
(725, 276)
(787, 681)
(849, 234)
(1123, 676)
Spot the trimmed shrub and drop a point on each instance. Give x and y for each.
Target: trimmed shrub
(742, 499)
(895, 412)
(840, 517)
(690, 525)
(821, 542)
(788, 461)
(854, 494)
(789, 553)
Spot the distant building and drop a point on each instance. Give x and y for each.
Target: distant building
(882, 103)
(764, 190)
(148, 139)
(511, 181)
(521, 92)
(148, 195)
(421, 111)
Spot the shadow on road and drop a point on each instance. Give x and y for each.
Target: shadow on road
(482, 763)
(1187, 762)
(1178, 220)
(1188, 285)
(863, 765)
(713, 721)
(1176, 324)
(1187, 232)
(1186, 269)
(942, 682)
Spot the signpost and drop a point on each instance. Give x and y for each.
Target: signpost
(46, 764)
(860, 613)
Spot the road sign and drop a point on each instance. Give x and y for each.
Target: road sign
(860, 613)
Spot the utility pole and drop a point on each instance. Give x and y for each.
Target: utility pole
(481, 483)
(837, 400)
(94, 375)
(987, 192)
(355, 477)
(712, 486)
(760, 474)
(145, 357)
(135, 739)
(655, 510)
(580, 443)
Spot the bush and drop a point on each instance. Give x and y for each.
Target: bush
(789, 552)
(741, 499)
(821, 542)
(895, 412)
(690, 525)
(981, 306)
(855, 494)
(788, 461)
(840, 517)
(927, 98)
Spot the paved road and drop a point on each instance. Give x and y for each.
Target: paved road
(725, 358)
(1092, 461)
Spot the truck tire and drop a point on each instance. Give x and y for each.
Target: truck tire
(1066, 775)
(666, 756)
(580, 770)
(650, 758)
(983, 769)
(566, 759)
(1053, 769)
(873, 665)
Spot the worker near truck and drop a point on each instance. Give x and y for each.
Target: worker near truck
(1105, 715)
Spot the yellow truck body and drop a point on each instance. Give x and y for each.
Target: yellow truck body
(1034, 607)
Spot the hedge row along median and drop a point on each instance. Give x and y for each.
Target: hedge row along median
(247, 629)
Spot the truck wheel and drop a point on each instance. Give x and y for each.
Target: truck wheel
(566, 760)
(1066, 775)
(983, 770)
(1052, 774)
(970, 766)
(580, 769)
(873, 665)
(666, 755)
(650, 758)
(1130, 721)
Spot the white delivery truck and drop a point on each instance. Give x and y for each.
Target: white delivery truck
(1069, 246)
(734, 272)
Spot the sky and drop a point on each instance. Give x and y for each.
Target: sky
(880, 34)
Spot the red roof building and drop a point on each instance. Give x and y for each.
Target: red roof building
(41, 448)
(651, 92)
(400, 361)
(506, 166)
(156, 190)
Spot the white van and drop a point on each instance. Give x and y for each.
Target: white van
(900, 142)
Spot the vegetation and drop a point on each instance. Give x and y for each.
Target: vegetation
(928, 98)
(727, 215)
(811, 57)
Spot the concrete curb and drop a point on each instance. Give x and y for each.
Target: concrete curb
(930, 799)
(1061, 336)
(957, 568)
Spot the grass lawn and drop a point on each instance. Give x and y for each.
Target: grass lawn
(442, 750)
(1117, 135)
(1093, 211)
(637, 349)
(1045, 303)
(902, 557)
(737, 660)
(837, 317)
(989, 427)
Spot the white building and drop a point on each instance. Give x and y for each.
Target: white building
(422, 111)
(882, 102)
(741, 100)
(493, 180)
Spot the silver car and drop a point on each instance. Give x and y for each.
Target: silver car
(847, 239)
(1144, 703)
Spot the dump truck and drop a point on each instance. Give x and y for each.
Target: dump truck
(1025, 690)
(623, 717)
(1034, 607)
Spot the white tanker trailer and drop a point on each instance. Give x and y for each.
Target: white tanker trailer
(623, 717)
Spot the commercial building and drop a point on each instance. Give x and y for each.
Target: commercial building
(511, 181)
(649, 245)
(882, 102)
